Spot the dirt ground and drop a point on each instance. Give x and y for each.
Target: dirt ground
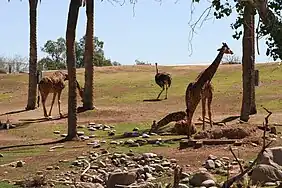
(140, 111)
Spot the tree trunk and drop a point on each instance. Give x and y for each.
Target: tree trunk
(32, 82)
(272, 23)
(248, 62)
(89, 57)
(71, 62)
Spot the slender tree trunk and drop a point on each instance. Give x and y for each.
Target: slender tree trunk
(71, 63)
(32, 82)
(89, 57)
(248, 102)
(272, 22)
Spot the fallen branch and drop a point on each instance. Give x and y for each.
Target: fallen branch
(86, 169)
(240, 165)
(228, 183)
(58, 146)
(177, 176)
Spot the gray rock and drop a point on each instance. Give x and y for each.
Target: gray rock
(150, 177)
(268, 184)
(121, 178)
(217, 163)
(158, 167)
(49, 168)
(208, 183)
(64, 135)
(1, 155)
(56, 132)
(80, 126)
(147, 169)
(212, 157)
(210, 164)
(130, 141)
(113, 142)
(92, 129)
(90, 185)
(80, 133)
(91, 136)
(101, 164)
(20, 163)
(182, 185)
(166, 164)
(149, 155)
(185, 180)
(136, 129)
(145, 135)
(199, 177)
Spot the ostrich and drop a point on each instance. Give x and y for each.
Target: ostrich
(163, 79)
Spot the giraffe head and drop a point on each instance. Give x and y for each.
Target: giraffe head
(225, 49)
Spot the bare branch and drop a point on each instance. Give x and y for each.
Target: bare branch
(197, 24)
(241, 168)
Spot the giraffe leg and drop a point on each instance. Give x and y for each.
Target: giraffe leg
(209, 108)
(203, 111)
(53, 100)
(160, 92)
(59, 103)
(43, 100)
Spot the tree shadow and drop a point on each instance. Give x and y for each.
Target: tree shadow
(14, 112)
(35, 144)
(152, 100)
(228, 119)
(44, 119)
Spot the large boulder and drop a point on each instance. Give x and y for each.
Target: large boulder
(121, 178)
(269, 166)
(200, 177)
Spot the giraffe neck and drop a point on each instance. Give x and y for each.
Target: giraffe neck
(209, 72)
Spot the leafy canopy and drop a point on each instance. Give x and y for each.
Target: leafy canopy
(56, 54)
(272, 31)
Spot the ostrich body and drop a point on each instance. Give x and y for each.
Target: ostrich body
(163, 79)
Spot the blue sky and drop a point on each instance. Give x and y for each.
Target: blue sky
(157, 33)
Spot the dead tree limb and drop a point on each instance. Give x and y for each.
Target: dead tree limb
(177, 176)
(240, 165)
(229, 182)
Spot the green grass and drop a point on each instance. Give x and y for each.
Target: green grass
(6, 185)
(119, 92)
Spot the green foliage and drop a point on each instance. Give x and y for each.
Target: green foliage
(56, 54)
(272, 31)
(138, 62)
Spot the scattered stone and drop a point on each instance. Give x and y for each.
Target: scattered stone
(210, 164)
(212, 157)
(121, 178)
(56, 132)
(57, 168)
(208, 183)
(64, 135)
(254, 144)
(268, 184)
(49, 168)
(1, 155)
(92, 129)
(273, 130)
(149, 155)
(80, 133)
(145, 135)
(198, 178)
(111, 133)
(218, 163)
(114, 142)
(182, 185)
(80, 126)
(91, 136)
(136, 129)
(20, 163)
